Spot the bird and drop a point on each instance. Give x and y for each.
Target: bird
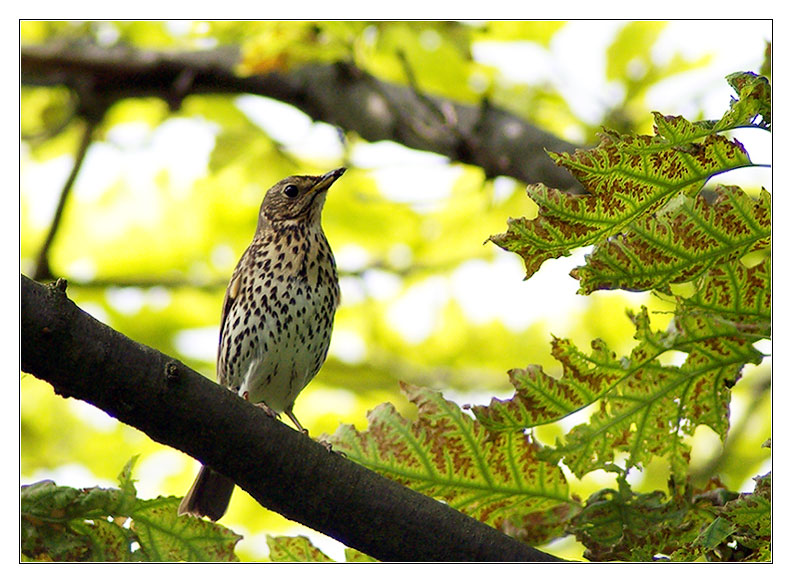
(277, 316)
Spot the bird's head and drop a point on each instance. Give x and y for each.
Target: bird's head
(297, 199)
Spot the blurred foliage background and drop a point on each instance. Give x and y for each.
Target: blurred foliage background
(166, 202)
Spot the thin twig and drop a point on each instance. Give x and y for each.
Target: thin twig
(43, 271)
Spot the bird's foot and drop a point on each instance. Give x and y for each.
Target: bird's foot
(262, 405)
(326, 444)
(267, 409)
(329, 447)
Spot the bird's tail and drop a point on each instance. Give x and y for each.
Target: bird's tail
(209, 495)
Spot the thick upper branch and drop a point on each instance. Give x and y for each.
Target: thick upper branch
(340, 94)
(281, 468)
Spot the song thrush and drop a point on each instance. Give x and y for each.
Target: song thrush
(277, 315)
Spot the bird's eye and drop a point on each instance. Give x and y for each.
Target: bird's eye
(291, 191)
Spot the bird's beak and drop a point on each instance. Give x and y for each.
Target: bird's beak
(326, 180)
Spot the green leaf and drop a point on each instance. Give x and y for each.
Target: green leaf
(60, 523)
(622, 525)
(652, 410)
(767, 63)
(732, 292)
(109, 541)
(753, 101)
(65, 524)
(628, 177)
(540, 398)
(751, 515)
(741, 528)
(294, 549)
(47, 501)
(355, 556)
(679, 243)
(716, 533)
(53, 527)
(127, 484)
(444, 453)
(166, 536)
(646, 408)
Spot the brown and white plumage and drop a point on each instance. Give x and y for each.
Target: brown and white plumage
(277, 315)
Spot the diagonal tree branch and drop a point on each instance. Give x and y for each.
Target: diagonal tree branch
(340, 94)
(281, 468)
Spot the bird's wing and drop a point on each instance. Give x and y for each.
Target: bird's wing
(231, 294)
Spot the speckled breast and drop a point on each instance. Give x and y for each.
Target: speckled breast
(276, 333)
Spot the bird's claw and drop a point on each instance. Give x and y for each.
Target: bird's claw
(268, 410)
(262, 405)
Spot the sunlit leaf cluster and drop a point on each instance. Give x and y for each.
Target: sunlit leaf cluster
(631, 180)
(622, 525)
(447, 455)
(60, 523)
(651, 226)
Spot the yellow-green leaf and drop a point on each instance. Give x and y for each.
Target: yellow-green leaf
(355, 556)
(166, 536)
(295, 549)
(681, 244)
(652, 407)
(735, 293)
(67, 524)
(446, 454)
(628, 177)
(753, 101)
(540, 398)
